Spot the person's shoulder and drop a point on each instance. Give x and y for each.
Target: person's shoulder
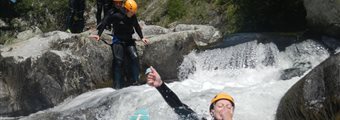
(119, 10)
(114, 13)
(111, 11)
(134, 18)
(115, 10)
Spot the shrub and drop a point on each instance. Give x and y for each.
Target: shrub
(46, 14)
(175, 9)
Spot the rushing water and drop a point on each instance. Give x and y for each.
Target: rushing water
(250, 72)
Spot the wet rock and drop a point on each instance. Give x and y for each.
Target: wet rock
(316, 96)
(166, 51)
(321, 21)
(42, 71)
(296, 71)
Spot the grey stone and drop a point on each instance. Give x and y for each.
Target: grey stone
(297, 70)
(324, 16)
(42, 71)
(166, 51)
(27, 34)
(316, 96)
(3, 24)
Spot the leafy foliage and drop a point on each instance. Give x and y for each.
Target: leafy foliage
(229, 15)
(176, 9)
(271, 15)
(46, 14)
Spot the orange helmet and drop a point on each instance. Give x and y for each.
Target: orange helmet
(131, 6)
(222, 96)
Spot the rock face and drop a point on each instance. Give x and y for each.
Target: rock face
(324, 16)
(298, 70)
(166, 51)
(316, 96)
(28, 33)
(42, 71)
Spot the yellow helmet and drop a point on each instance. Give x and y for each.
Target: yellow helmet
(221, 96)
(131, 6)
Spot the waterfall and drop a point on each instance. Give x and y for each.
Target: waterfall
(250, 72)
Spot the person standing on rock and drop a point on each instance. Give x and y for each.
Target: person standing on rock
(117, 6)
(221, 106)
(124, 24)
(75, 19)
(103, 6)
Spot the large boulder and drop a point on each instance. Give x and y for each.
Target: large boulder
(324, 16)
(27, 34)
(41, 72)
(316, 96)
(166, 51)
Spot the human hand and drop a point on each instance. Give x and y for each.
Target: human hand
(96, 37)
(145, 41)
(227, 113)
(153, 78)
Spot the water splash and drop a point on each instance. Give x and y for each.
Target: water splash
(250, 72)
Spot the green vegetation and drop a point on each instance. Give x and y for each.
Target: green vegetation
(232, 18)
(271, 15)
(176, 9)
(213, 12)
(5, 37)
(229, 16)
(46, 14)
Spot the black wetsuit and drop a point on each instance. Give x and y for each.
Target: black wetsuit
(123, 26)
(7, 10)
(181, 109)
(123, 29)
(103, 5)
(75, 20)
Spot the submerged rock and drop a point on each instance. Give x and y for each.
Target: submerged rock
(297, 70)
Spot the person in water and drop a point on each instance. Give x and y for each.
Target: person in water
(124, 24)
(221, 106)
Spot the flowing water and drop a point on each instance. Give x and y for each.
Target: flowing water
(250, 72)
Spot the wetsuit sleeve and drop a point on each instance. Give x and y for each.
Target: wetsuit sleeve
(174, 102)
(137, 27)
(106, 21)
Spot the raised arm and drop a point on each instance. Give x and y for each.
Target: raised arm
(154, 80)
